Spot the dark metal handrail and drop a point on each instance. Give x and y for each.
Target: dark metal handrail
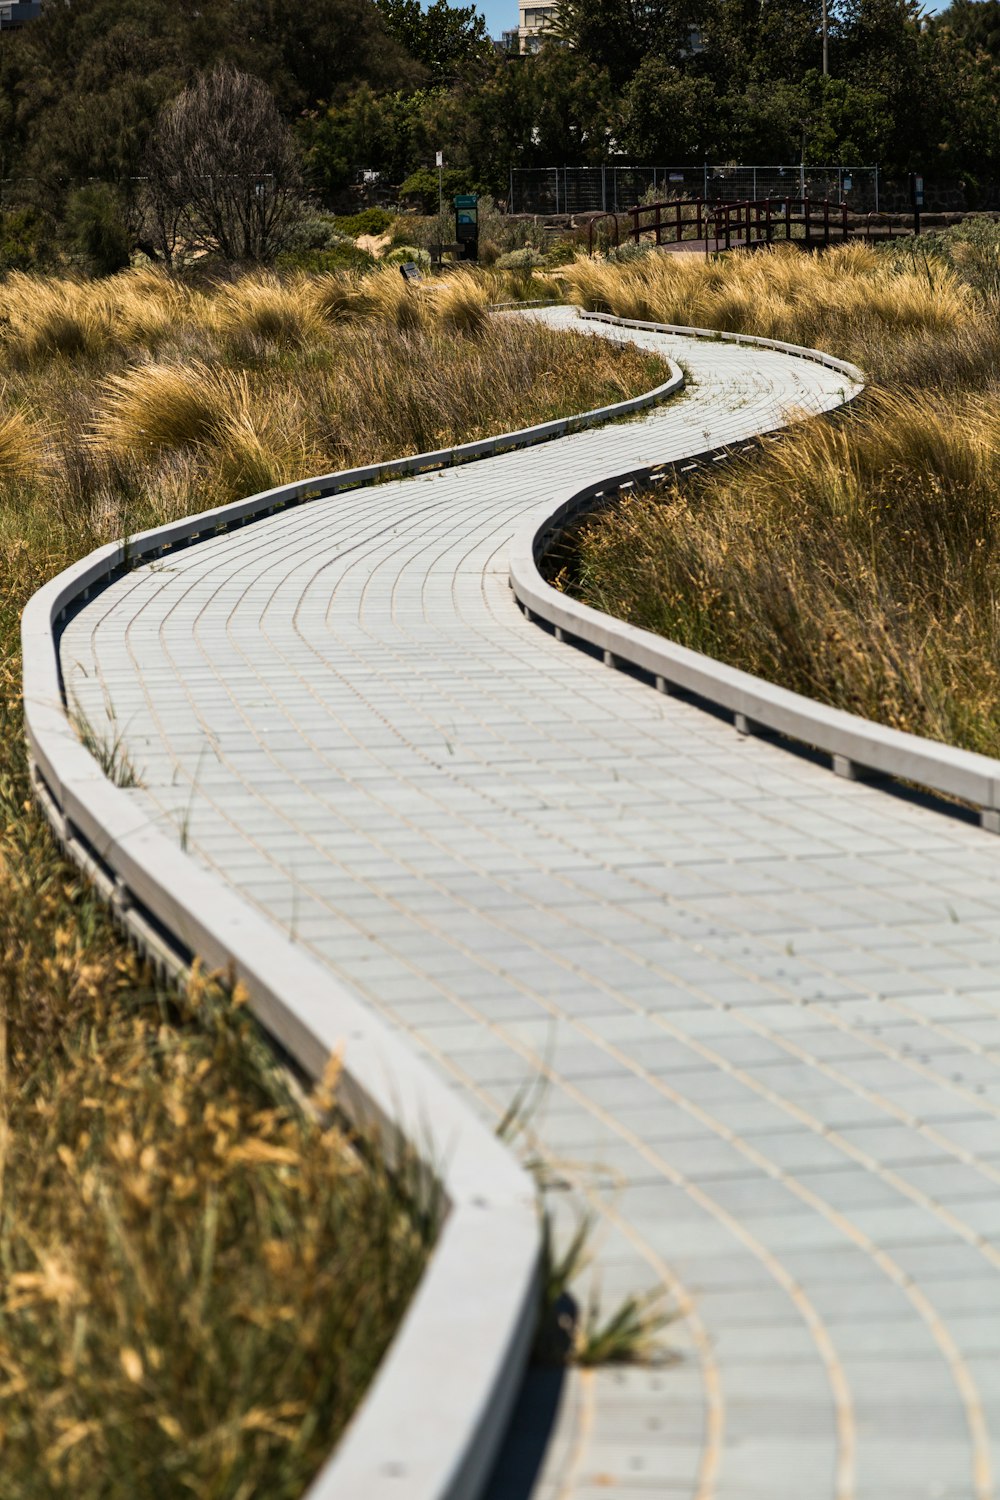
(667, 221)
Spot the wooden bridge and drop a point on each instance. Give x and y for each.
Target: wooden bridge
(694, 224)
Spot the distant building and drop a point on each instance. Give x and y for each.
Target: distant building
(14, 13)
(536, 16)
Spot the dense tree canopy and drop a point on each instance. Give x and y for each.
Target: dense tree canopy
(383, 84)
(82, 85)
(443, 37)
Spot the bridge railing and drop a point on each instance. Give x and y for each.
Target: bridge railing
(761, 221)
(670, 222)
(748, 223)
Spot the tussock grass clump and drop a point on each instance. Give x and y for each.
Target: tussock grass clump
(857, 562)
(461, 303)
(46, 318)
(252, 437)
(165, 406)
(392, 300)
(848, 301)
(339, 297)
(21, 445)
(262, 307)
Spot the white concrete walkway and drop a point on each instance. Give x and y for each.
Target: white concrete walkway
(765, 1002)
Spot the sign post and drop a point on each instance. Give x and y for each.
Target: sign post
(467, 225)
(916, 198)
(440, 166)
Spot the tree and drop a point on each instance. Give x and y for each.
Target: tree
(98, 229)
(617, 35)
(443, 37)
(669, 116)
(976, 24)
(81, 87)
(222, 157)
(880, 47)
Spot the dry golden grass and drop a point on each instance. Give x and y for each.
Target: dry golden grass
(339, 298)
(392, 300)
(378, 387)
(858, 563)
(46, 317)
(262, 307)
(461, 303)
(851, 301)
(21, 444)
(196, 1282)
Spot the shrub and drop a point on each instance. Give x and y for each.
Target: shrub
(400, 254)
(345, 257)
(528, 259)
(25, 239)
(96, 228)
(367, 221)
(314, 231)
(426, 185)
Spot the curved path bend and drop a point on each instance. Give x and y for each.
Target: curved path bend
(763, 1002)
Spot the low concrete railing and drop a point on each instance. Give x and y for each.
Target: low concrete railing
(857, 746)
(430, 1426)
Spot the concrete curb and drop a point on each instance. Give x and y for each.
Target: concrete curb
(857, 746)
(430, 1425)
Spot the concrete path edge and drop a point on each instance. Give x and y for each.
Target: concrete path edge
(432, 1421)
(858, 746)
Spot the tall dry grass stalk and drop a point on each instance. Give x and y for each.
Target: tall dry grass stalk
(21, 445)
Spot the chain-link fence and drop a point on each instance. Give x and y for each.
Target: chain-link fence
(611, 189)
(576, 190)
(856, 186)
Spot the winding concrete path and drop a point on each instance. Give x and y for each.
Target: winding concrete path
(764, 1002)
